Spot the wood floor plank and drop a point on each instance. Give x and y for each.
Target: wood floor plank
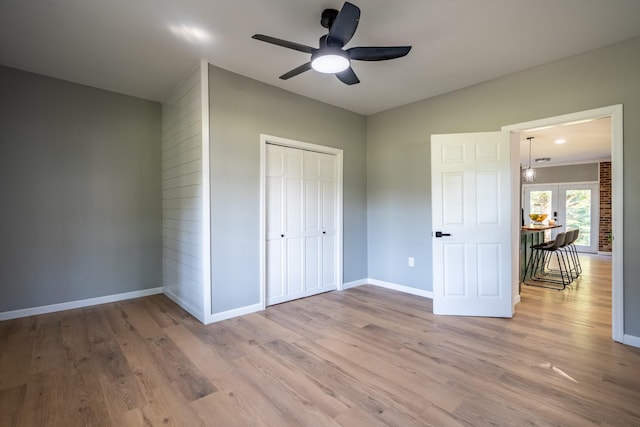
(15, 358)
(222, 409)
(180, 371)
(294, 405)
(75, 338)
(283, 372)
(81, 403)
(251, 402)
(139, 316)
(344, 380)
(48, 351)
(11, 402)
(168, 408)
(207, 361)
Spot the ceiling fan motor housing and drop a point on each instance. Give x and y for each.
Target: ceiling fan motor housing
(328, 18)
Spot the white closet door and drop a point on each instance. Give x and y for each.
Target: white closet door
(275, 226)
(329, 220)
(301, 223)
(313, 219)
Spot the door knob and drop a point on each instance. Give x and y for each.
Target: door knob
(440, 234)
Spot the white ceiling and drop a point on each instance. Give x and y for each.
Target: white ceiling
(584, 141)
(143, 47)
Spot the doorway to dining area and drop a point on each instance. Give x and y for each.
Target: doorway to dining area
(612, 114)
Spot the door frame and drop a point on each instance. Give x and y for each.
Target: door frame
(617, 276)
(264, 140)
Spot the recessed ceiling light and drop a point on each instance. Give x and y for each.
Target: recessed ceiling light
(560, 141)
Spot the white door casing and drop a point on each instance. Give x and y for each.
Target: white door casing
(471, 201)
(301, 223)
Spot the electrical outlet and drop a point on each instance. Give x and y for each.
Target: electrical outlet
(411, 262)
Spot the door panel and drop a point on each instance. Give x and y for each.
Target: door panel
(329, 260)
(487, 192)
(294, 265)
(311, 264)
(275, 217)
(452, 199)
(293, 194)
(312, 207)
(454, 267)
(275, 264)
(489, 260)
(471, 187)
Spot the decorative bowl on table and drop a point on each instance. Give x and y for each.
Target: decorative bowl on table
(538, 218)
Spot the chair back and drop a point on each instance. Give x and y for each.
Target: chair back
(559, 241)
(570, 237)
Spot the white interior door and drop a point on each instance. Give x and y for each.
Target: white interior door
(572, 205)
(301, 218)
(471, 207)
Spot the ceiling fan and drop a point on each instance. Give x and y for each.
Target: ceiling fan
(330, 57)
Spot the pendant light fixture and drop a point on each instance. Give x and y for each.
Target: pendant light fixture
(529, 174)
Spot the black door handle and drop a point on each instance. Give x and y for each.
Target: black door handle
(440, 234)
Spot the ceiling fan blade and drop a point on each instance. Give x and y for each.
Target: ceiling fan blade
(348, 76)
(298, 70)
(377, 53)
(344, 27)
(284, 43)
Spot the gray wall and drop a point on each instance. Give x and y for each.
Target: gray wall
(569, 173)
(80, 209)
(240, 110)
(398, 159)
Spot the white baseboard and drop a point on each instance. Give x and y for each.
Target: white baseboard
(198, 314)
(33, 311)
(516, 300)
(605, 253)
(217, 317)
(401, 288)
(631, 340)
(354, 284)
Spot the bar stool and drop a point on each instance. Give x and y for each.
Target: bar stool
(569, 251)
(539, 261)
(574, 251)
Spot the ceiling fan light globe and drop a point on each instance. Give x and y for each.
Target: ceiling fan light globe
(330, 61)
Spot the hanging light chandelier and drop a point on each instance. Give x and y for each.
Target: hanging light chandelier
(529, 173)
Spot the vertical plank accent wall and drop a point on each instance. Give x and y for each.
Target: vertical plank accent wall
(182, 260)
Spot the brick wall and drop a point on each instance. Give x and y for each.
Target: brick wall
(605, 207)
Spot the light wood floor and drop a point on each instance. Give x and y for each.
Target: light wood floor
(362, 357)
